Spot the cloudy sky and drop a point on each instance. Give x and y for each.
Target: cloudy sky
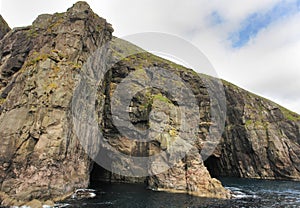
(252, 43)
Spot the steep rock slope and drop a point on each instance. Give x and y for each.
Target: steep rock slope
(42, 157)
(261, 139)
(156, 109)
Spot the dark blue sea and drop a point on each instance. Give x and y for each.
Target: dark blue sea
(247, 193)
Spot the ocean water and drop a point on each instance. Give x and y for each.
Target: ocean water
(247, 193)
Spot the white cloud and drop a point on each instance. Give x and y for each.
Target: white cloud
(267, 65)
(21, 13)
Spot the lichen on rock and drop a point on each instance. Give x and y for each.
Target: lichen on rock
(41, 157)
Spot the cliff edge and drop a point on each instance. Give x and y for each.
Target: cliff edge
(4, 28)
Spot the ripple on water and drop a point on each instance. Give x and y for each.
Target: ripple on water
(247, 193)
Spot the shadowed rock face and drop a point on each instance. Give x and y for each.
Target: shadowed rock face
(4, 28)
(261, 139)
(41, 156)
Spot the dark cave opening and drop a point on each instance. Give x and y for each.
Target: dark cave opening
(99, 174)
(213, 166)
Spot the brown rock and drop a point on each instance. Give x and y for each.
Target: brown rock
(34, 204)
(41, 157)
(49, 203)
(4, 28)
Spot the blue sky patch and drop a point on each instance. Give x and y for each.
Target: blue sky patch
(216, 19)
(255, 22)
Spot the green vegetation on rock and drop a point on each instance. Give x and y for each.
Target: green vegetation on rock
(290, 115)
(162, 98)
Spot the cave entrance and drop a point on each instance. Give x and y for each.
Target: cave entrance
(99, 174)
(213, 166)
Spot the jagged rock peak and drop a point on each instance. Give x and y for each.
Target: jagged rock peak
(4, 28)
(48, 33)
(79, 10)
(80, 6)
(33, 60)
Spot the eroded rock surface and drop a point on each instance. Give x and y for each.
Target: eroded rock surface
(4, 28)
(261, 139)
(42, 155)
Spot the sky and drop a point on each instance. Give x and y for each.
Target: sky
(254, 44)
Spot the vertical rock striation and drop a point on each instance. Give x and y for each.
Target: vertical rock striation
(153, 108)
(41, 156)
(261, 139)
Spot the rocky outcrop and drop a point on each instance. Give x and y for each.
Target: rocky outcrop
(47, 70)
(153, 108)
(41, 157)
(4, 28)
(41, 154)
(261, 139)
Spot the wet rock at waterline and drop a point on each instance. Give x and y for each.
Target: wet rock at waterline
(84, 194)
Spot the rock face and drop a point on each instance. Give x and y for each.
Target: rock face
(4, 28)
(261, 139)
(152, 108)
(42, 156)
